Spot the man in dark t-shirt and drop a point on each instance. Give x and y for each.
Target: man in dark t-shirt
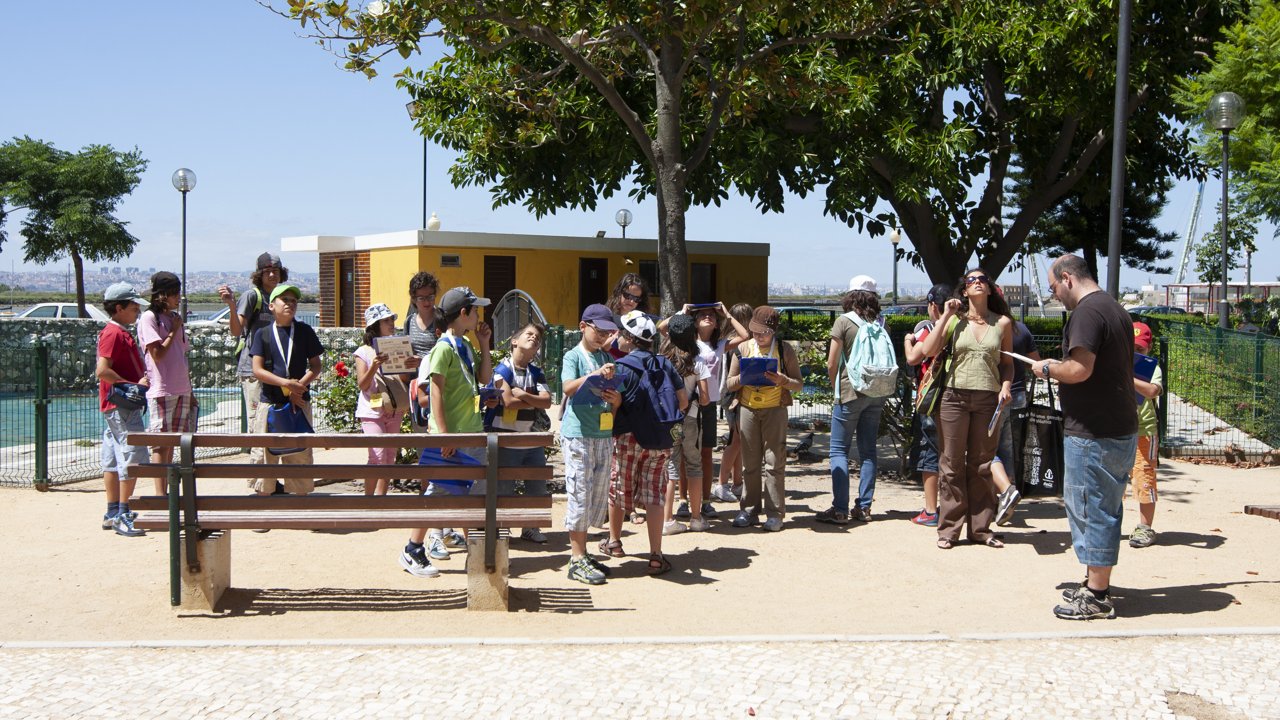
(1101, 423)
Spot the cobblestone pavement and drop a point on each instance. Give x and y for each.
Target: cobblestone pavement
(1202, 677)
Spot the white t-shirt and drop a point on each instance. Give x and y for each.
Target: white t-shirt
(691, 381)
(712, 358)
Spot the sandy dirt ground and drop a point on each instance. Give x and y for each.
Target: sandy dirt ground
(65, 579)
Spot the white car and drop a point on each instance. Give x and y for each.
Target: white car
(61, 311)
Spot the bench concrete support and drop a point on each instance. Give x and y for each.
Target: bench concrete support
(486, 590)
(202, 589)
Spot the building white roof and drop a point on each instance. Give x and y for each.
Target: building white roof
(444, 238)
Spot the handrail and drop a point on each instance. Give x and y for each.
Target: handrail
(342, 440)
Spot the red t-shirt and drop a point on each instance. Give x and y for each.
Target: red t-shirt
(117, 344)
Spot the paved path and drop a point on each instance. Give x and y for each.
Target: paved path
(1202, 677)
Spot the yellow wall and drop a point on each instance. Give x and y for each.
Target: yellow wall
(549, 276)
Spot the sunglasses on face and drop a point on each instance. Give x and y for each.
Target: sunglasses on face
(975, 279)
(424, 298)
(632, 298)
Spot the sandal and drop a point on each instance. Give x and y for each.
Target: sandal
(637, 518)
(945, 544)
(658, 564)
(993, 542)
(611, 548)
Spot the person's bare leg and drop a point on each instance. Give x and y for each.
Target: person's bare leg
(111, 484)
(1099, 578)
(616, 516)
(161, 456)
(999, 477)
(577, 544)
(655, 533)
(930, 492)
(1147, 513)
(668, 501)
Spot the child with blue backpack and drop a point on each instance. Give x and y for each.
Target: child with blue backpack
(652, 409)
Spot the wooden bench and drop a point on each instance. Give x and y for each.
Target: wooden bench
(202, 523)
(1266, 511)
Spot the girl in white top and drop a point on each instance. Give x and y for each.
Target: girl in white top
(383, 399)
(731, 459)
(712, 349)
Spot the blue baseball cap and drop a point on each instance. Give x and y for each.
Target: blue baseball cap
(599, 316)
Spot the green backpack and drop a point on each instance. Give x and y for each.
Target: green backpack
(253, 313)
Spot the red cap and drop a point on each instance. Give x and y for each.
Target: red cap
(1142, 335)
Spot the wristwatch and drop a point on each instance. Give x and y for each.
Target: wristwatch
(1045, 371)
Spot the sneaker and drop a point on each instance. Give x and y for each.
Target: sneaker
(1142, 536)
(1069, 594)
(604, 569)
(455, 539)
(928, 519)
(585, 572)
(722, 493)
(1008, 501)
(699, 524)
(773, 524)
(682, 512)
(436, 548)
(745, 519)
(672, 527)
(414, 561)
(108, 522)
(1084, 605)
(123, 525)
(709, 511)
(832, 516)
(860, 515)
(533, 535)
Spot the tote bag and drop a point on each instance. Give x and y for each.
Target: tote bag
(287, 418)
(1037, 442)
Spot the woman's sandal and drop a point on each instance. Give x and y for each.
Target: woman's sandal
(993, 542)
(637, 518)
(945, 544)
(611, 548)
(658, 564)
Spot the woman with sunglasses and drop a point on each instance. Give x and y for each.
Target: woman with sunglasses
(978, 328)
(631, 293)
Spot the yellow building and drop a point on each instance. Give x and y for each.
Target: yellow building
(563, 274)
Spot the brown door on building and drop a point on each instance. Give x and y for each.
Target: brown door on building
(347, 292)
(499, 277)
(593, 282)
(702, 283)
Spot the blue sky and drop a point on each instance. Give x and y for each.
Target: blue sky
(285, 143)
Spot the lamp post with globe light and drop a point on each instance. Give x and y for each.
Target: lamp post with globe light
(895, 237)
(1224, 114)
(623, 218)
(184, 181)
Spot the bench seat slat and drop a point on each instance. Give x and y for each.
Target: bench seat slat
(341, 440)
(1266, 511)
(349, 519)
(346, 472)
(326, 503)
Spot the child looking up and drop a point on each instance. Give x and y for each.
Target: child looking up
(524, 394)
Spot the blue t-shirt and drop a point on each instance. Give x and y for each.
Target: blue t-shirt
(270, 341)
(530, 379)
(582, 418)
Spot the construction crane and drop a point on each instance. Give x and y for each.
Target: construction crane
(1191, 233)
(1035, 277)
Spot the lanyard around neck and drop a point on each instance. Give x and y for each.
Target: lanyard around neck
(288, 356)
(459, 347)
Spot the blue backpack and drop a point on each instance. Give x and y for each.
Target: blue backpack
(872, 365)
(650, 409)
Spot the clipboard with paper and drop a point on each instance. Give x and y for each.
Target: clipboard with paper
(752, 370)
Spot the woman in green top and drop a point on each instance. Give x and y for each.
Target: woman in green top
(977, 327)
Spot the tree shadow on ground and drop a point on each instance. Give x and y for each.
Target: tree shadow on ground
(1175, 600)
(248, 602)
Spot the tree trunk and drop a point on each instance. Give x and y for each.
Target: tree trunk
(78, 262)
(672, 179)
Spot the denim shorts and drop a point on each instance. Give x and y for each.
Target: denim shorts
(1096, 473)
(927, 442)
(117, 454)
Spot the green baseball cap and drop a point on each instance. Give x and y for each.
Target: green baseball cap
(282, 289)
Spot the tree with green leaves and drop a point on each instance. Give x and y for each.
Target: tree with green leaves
(556, 105)
(69, 200)
(973, 92)
(1244, 61)
(1242, 238)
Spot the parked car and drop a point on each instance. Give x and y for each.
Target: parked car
(1157, 310)
(221, 317)
(60, 311)
(788, 312)
(908, 309)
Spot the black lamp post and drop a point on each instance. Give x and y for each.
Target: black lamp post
(894, 238)
(184, 181)
(411, 108)
(1224, 114)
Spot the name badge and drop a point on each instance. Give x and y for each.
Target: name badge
(606, 421)
(509, 416)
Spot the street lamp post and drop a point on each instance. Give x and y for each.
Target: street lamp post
(895, 237)
(1224, 114)
(184, 181)
(623, 218)
(411, 108)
